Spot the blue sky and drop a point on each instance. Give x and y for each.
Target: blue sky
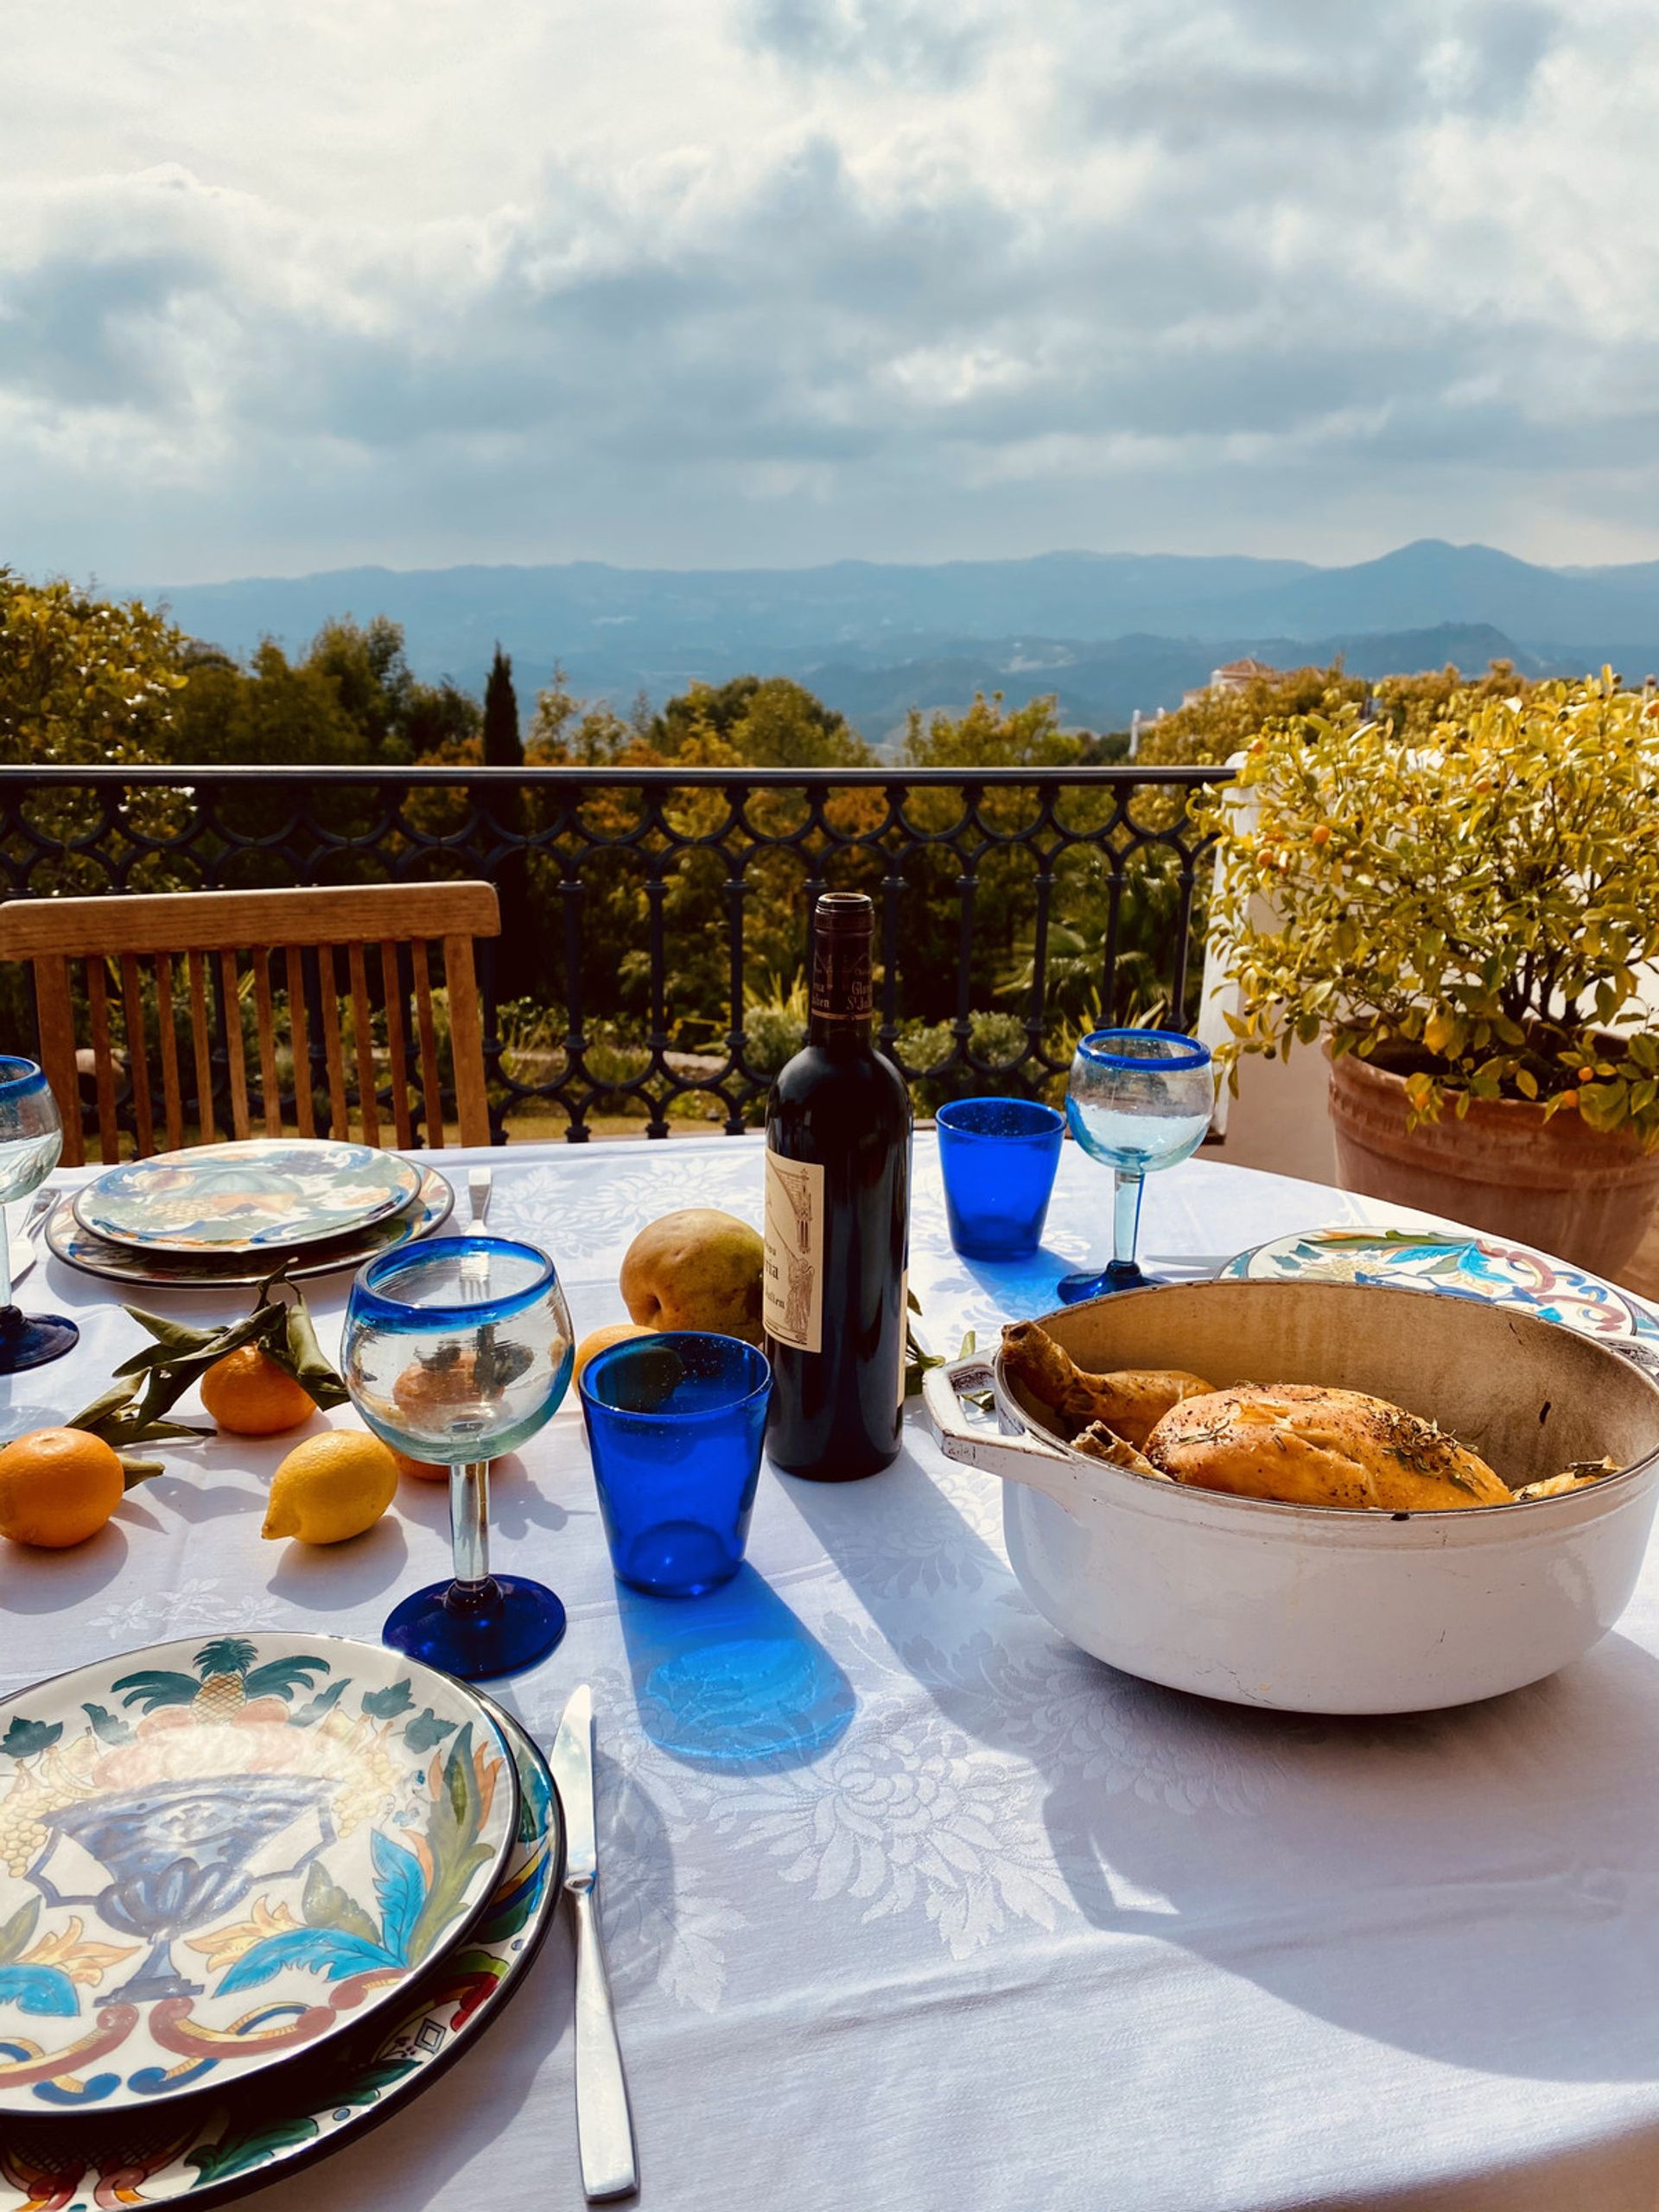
(729, 282)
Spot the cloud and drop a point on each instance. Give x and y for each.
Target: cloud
(802, 279)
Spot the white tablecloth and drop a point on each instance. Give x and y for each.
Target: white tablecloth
(1027, 1934)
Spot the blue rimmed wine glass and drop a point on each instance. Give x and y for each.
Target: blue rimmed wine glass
(1138, 1100)
(31, 1138)
(457, 1351)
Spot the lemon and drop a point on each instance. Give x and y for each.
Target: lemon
(331, 1487)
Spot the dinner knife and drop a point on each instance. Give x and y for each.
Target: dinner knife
(604, 2126)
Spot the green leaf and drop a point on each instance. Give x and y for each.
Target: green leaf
(15, 1932)
(25, 1738)
(323, 1903)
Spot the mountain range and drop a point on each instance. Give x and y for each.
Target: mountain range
(1109, 632)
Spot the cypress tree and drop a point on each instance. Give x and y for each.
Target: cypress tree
(503, 746)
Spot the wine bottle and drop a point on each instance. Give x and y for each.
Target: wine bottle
(837, 1215)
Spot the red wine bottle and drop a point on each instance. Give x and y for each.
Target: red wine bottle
(837, 1212)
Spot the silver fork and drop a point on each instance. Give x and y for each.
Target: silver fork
(21, 1251)
(480, 1183)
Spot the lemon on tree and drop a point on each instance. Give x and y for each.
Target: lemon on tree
(331, 1488)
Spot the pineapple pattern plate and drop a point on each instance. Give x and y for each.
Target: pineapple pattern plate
(213, 1854)
(212, 2146)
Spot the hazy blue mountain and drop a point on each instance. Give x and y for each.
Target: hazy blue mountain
(1108, 631)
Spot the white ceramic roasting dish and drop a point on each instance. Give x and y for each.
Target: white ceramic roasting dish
(1314, 1608)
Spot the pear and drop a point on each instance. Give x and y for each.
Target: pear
(696, 1269)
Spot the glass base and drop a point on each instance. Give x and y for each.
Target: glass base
(32, 1340)
(478, 1630)
(1120, 1275)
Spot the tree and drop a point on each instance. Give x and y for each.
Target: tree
(83, 679)
(504, 747)
(768, 722)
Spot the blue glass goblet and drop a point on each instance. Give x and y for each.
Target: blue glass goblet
(31, 1139)
(1138, 1100)
(457, 1351)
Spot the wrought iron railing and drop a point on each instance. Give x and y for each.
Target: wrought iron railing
(653, 918)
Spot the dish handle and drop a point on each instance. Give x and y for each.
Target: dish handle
(1019, 1457)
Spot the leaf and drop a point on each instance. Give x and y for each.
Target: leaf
(235, 2154)
(426, 1731)
(306, 1716)
(451, 1844)
(387, 1704)
(40, 1990)
(325, 1904)
(15, 1932)
(156, 1686)
(282, 1677)
(330, 1951)
(106, 1725)
(24, 1737)
(400, 1889)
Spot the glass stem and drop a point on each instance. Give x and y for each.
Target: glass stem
(469, 1522)
(5, 1262)
(1125, 1217)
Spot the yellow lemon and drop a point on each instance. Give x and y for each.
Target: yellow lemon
(331, 1487)
(599, 1340)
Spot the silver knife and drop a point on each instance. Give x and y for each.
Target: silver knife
(604, 2127)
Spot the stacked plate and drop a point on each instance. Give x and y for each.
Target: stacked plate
(259, 1888)
(224, 1214)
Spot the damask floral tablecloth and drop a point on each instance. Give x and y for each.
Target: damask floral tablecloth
(989, 1925)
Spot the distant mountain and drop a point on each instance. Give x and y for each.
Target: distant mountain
(1109, 632)
(1099, 686)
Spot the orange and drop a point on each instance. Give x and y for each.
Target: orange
(420, 1389)
(248, 1394)
(599, 1340)
(57, 1487)
(426, 1470)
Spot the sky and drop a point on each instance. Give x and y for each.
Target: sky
(728, 282)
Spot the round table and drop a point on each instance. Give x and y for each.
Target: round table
(1018, 1931)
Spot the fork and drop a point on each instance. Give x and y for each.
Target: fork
(480, 1186)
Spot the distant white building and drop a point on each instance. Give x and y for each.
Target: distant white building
(1235, 676)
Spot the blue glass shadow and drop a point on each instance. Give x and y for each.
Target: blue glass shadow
(734, 1680)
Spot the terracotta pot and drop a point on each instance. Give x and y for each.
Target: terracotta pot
(1583, 1194)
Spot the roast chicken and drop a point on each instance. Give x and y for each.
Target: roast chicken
(1131, 1401)
(1308, 1446)
(1296, 1442)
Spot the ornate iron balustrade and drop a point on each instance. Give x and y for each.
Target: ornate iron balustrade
(1065, 897)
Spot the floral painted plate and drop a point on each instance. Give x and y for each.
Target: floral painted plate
(245, 1197)
(215, 2146)
(93, 1256)
(1461, 1266)
(215, 1854)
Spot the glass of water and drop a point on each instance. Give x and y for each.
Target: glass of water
(457, 1351)
(1137, 1100)
(31, 1138)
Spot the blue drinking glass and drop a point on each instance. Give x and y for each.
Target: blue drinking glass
(31, 1139)
(456, 1352)
(675, 1424)
(1138, 1100)
(998, 1158)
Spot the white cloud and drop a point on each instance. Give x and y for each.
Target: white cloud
(791, 279)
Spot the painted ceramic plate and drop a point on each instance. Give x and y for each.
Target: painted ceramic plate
(218, 2146)
(261, 1194)
(1456, 1266)
(94, 1255)
(214, 1854)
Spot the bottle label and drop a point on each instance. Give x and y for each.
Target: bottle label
(841, 978)
(793, 1307)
